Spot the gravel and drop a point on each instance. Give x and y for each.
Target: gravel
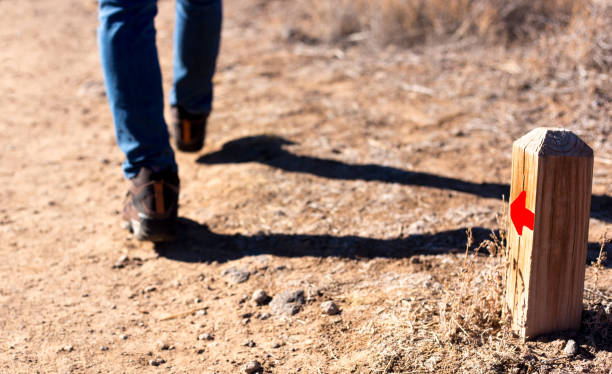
(248, 343)
(260, 297)
(236, 275)
(205, 337)
(330, 308)
(287, 303)
(252, 367)
(157, 362)
(149, 289)
(571, 348)
(121, 262)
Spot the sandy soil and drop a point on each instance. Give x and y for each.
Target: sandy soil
(348, 174)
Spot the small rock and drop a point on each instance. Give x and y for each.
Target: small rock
(162, 345)
(276, 345)
(571, 348)
(201, 312)
(67, 348)
(248, 343)
(330, 308)
(157, 362)
(236, 275)
(264, 316)
(121, 262)
(205, 337)
(260, 297)
(197, 300)
(252, 367)
(123, 337)
(287, 302)
(415, 260)
(104, 348)
(149, 289)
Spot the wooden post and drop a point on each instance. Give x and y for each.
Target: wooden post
(545, 276)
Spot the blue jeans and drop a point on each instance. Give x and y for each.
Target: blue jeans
(133, 77)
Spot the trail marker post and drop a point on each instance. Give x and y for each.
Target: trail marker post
(550, 203)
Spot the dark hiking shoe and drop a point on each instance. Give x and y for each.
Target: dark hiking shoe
(151, 205)
(189, 129)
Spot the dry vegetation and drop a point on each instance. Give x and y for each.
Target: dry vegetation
(410, 22)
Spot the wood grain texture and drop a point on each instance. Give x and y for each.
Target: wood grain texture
(545, 276)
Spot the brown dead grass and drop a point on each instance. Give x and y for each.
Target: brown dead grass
(463, 326)
(581, 28)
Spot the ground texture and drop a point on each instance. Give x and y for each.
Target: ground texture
(348, 172)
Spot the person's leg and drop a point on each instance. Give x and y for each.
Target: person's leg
(197, 35)
(134, 89)
(133, 83)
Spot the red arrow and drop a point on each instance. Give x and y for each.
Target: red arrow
(520, 215)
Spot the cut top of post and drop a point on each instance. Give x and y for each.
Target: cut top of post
(554, 142)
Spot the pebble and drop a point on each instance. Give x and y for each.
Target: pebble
(571, 348)
(265, 316)
(67, 348)
(252, 367)
(236, 275)
(205, 337)
(157, 362)
(248, 343)
(330, 308)
(202, 312)
(150, 289)
(121, 262)
(260, 297)
(197, 300)
(104, 348)
(123, 337)
(287, 302)
(415, 260)
(162, 345)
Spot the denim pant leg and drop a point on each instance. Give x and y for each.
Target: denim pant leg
(197, 35)
(133, 83)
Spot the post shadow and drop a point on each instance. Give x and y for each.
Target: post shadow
(269, 150)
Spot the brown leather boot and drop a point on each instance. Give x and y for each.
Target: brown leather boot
(189, 129)
(151, 205)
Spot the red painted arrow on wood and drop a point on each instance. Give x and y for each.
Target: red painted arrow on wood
(520, 215)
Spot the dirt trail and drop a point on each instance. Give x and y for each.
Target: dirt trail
(349, 175)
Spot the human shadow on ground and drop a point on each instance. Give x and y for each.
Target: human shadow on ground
(197, 243)
(269, 150)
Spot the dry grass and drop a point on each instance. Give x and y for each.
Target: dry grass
(582, 26)
(461, 326)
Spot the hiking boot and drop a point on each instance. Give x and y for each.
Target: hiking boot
(189, 129)
(151, 205)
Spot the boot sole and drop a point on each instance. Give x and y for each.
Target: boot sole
(189, 147)
(152, 230)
